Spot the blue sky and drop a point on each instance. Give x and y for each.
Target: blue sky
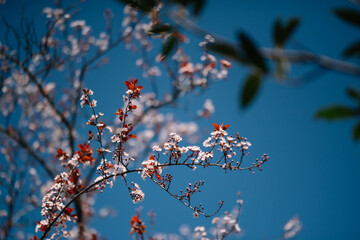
(314, 167)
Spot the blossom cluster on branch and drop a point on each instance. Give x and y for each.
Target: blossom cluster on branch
(56, 169)
(221, 150)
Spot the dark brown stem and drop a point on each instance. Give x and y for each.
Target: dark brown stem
(15, 136)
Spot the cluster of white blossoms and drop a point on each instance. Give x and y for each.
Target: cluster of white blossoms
(136, 193)
(193, 156)
(49, 111)
(292, 228)
(207, 110)
(223, 226)
(53, 202)
(150, 167)
(228, 146)
(199, 74)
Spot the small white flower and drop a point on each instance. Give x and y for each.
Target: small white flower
(93, 103)
(77, 24)
(215, 220)
(156, 148)
(209, 38)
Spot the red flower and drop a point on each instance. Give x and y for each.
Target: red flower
(152, 164)
(120, 113)
(101, 125)
(74, 176)
(43, 227)
(68, 211)
(132, 85)
(126, 133)
(85, 147)
(85, 153)
(187, 68)
(62, 155)
(220, 127)
(137, 225)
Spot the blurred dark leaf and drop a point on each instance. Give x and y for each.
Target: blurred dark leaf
(170, 45)
(250, 88)
(335, 112)
(349, 15)
(290, 28)
(198, 7)
(225, 50)
(143, 5)
(160, 28)
(278, 33)
(352, 50)
(354, 93)
(356, 131)
(252, 53)
(181, 2)
(282, 32)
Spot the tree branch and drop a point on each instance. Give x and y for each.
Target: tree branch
(22, 143)
(298, 56)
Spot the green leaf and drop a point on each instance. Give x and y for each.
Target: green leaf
(282, 32)
(352, 50)
(198, 7)
(278, 33)
(225, 50)
(290, 28)
(181, 2)
(335, 112)
(160, 28)
(349, 15)
(250, 88)
(170, 45)
(356, 131)
(353, 93)
(252, 53)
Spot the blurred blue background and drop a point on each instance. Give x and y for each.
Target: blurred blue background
(314, 167)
